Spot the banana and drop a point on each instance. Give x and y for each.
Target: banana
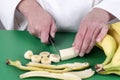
(45, 60)
(116, 58)
(67, 53)
(44, 54)
(114, 64)
(108, 44)
(36, 58)
(115, 35)
(116, 27)
(28, 54)
(117, 72)
(54, 57)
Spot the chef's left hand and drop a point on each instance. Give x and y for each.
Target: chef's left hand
(92, 29)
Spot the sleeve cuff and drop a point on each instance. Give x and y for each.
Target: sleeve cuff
(7, 11)
(111, 6)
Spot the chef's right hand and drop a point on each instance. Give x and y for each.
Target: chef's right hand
(40, 23)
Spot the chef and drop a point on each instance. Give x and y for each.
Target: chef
(89, 18)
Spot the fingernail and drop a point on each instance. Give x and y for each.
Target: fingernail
(87, 52)
(53, 35)
(98, 40)
(81, 54)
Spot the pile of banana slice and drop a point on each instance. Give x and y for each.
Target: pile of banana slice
(46, 57)
(43, 57)
(111, 47)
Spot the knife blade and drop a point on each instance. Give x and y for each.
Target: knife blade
(52, 42)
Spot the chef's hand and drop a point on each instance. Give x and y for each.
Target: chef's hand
(40, 23)
(92, 29)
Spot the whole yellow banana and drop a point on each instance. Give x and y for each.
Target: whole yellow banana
(116, 27)
(114, 66)
(108, 44)
(115, 35)
(115, 62)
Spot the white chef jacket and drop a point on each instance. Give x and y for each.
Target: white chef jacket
(67, 14)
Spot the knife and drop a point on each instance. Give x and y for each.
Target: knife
(52, 42)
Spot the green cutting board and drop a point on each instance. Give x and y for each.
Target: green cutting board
(13, 45)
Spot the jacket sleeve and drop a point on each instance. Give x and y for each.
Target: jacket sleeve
(7, 13)
(111, 6)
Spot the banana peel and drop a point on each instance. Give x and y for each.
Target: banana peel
(63, 76)
(78, 75)
(75, 65)
(50, 68)
(63, 71)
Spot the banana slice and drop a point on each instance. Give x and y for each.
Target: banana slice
(54, 57)
(44, 54)
(67, 53)
(45, 60)
(36, 58)
(28, 54)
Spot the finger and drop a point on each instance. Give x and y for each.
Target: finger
(44, 36)
(79, 39)
(32, 31)
(102, 33)
(93, 41)
(87, 40)
(53, 29)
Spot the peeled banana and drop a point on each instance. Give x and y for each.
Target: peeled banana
(67, 53)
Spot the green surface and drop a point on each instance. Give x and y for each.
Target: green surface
(13, 45)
